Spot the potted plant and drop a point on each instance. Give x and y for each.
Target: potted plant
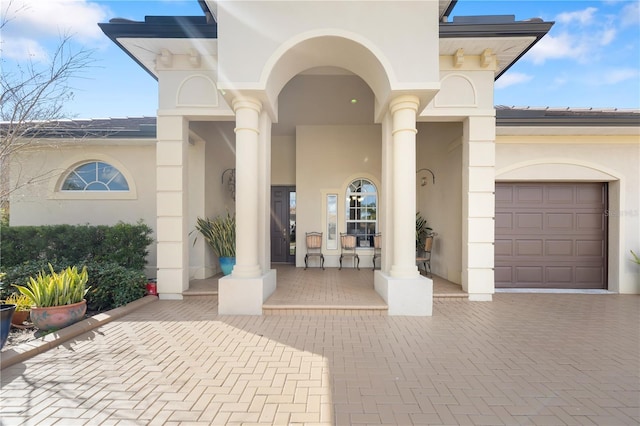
(422, 231)
(6, 313)
(220, 235)
(23, 308)
(57, 298)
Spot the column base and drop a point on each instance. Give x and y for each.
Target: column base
(480, 297)
(405, 296)
(245, 296)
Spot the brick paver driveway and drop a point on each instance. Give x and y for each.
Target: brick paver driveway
(522, 359)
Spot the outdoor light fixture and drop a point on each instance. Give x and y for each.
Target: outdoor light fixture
(231, 182)
(423, 180)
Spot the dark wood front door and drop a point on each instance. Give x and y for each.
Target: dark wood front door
(283, 224)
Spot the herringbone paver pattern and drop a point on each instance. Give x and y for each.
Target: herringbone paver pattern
(523, 359)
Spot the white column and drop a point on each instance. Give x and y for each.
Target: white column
(403, 111)
(247, 135)
(478, 204)
(172, 206)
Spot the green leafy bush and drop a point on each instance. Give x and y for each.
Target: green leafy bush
(125, 244)
(113, 285)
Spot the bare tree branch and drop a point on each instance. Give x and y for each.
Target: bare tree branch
(32, 99)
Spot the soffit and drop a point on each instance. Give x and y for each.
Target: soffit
(506, 49)
(146, 50)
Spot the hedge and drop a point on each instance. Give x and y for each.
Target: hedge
(124, 244)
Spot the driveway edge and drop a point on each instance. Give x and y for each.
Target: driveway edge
(51, 340)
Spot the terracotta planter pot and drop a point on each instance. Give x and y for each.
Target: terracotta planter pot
(19, 317)
(56, 317)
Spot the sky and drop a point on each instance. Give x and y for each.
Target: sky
(590, 58)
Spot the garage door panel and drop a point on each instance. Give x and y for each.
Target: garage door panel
(560, 195)
(529, 222)
(550, 235)
(528, 275)
(558, 248)
(528, 248)
(503, 275)
(590, 221)
(504, 221)
(587, 276)
(559, 221)
(560, 276)
(590, 248)
(503, 248)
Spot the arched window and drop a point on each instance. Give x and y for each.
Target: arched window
(95, 176)
(362, 211)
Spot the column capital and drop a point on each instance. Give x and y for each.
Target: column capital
(404, 102)
(246, 102)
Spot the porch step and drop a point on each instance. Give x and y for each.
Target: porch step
(324, 310)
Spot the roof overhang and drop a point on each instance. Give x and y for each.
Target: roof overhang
(508, 40)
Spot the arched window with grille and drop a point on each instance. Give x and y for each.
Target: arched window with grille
(95, 176)
(362, 211)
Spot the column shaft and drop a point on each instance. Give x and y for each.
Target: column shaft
(403, 110)
(247, 134)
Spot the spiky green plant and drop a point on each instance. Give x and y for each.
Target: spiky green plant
(422, 230)
(220, 234)
(636, 258)
(56, 289)
(22, 302)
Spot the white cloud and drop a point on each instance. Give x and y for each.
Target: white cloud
(511, 78)
(55, 17)
(582, 17)
(577, 36)
(631, 14)
(617, 75)
(31, 24)
(22, 49)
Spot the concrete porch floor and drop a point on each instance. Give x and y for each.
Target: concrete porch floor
(523, 359)
(325, 291)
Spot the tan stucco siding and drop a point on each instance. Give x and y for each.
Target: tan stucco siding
(328, 158)
(607, 158)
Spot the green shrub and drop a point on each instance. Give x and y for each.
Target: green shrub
(125, 244)
(113, 285)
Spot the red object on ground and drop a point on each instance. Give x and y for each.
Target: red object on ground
(152, 288)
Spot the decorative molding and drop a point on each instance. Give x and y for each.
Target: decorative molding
(166, 57)
(458, 58)
(486, 58)
(194, 58)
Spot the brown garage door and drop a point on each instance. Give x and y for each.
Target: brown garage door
(551, 235)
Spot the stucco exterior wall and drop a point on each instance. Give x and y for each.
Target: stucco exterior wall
(596, 158)
(42, 204)
(439, 148)
(283, 160)
(328, 158)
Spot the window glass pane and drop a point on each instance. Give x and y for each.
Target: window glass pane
(95, 176)
(87, 172)
(119, 183)
(73, 183)
(96, 186)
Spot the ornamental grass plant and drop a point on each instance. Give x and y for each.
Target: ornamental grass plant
(220, 234)
(56, 289)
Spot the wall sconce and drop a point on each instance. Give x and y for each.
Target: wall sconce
(231, 182)
(423, 180)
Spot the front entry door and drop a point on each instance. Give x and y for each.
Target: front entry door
(283, 224)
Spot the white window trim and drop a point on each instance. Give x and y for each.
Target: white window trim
(55, 184)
